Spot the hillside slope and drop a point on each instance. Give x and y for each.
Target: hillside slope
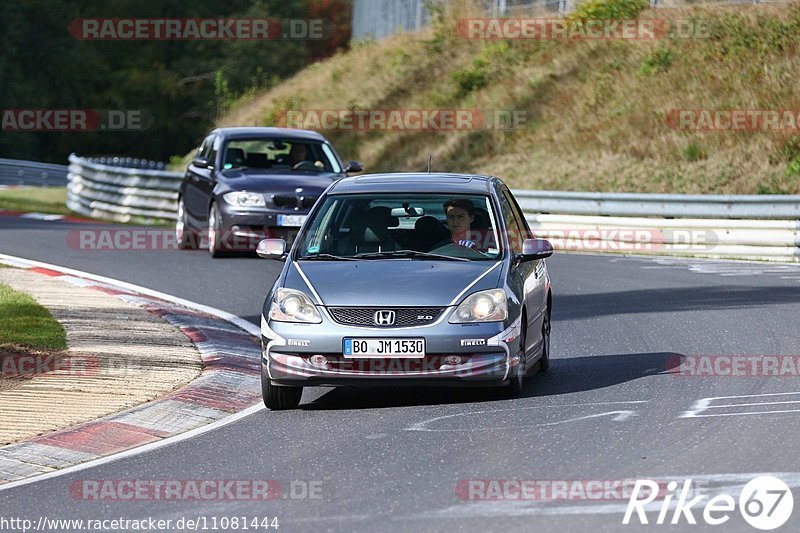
(598, 111)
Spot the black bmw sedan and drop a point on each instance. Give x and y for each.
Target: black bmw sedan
(247, 184)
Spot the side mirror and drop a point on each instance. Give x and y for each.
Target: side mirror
(271, 249)
(533, 249)
(200, 162)
(354, 166)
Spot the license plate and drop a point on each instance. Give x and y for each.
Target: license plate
(384, 348)
(294, 221)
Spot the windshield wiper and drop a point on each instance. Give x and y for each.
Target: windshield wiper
(407, 253)
(331, 257)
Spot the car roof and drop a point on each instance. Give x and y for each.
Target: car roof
(244, 132)
(411, 182)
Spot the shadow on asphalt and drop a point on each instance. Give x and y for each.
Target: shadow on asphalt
(670, 300)
(566, 376)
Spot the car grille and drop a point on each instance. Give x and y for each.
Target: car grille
(405, 316)
(284, 200)
(307, 202)
(287, 201)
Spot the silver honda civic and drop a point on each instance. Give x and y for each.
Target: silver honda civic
(407, 279)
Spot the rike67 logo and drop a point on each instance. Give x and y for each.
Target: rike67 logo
(766, 503)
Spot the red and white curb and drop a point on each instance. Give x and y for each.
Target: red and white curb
(230, 383)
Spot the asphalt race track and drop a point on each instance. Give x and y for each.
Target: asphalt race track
(392, 459)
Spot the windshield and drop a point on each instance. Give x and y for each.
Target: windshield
(402, 226)
(279, 155)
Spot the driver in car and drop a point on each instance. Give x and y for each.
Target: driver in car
(460, 216)
(298, 153)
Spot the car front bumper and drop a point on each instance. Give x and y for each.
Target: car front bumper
(259, 223)
(486, 354)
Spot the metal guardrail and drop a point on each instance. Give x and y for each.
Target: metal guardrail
(765, 227)
(666, 205)
(752, 239)
(15, 172)
(122, 194)
(761, 227)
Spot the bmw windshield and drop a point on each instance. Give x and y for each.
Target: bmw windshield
(402, 226)
(279, 155)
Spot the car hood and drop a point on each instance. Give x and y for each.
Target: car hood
(395, 282)
(254, 181)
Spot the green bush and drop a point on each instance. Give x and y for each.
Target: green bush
(491, 60)
(608, 10)
(472, 78)
(775, 185)
(659, 60)
(694, 152)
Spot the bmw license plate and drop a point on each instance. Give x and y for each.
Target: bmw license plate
(293, 221)
(384, 348)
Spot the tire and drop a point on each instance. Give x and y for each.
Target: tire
(215, 246)
(184, 235)
(544, 362)
(279, 398)
(517, 380)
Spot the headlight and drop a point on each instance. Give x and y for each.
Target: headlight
(484, 306)
(245, 199)
(290, 305)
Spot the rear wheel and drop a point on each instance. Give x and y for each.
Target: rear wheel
(184, 235)
(279, 398)
(544, 362)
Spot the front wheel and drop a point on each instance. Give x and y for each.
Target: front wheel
(215, 235)
(184, 235)
(516, 379)
(279, 398)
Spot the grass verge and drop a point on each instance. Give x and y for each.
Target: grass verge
(24, 322)
(50, 200)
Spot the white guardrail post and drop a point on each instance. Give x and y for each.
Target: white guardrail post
(122, 194)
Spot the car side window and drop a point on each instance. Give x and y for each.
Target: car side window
(205, 147)
(522, 223)
(214, 146)
(512, 226)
